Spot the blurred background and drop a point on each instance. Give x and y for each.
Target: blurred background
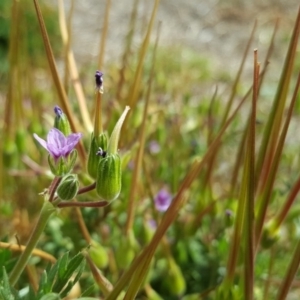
(200, 48)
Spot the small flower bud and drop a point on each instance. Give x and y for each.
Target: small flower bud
(61, 121)
(98, 255)
(94, 157)
(99, 81)
(109, 175)
(68, 188)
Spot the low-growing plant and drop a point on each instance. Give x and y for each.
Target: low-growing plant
(190, 196)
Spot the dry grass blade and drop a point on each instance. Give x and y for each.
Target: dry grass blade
(35, 252)
(270, 137)
(104, 35)
(266, 195)
(249, 208)
(71, 64)
(140, 152)
(58, 84)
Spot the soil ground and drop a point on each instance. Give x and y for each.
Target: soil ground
(216, 29)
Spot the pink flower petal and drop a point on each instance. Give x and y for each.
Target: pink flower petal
(41, 141)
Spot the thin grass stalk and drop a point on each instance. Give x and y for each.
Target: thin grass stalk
(266, 153)
(14, 82)
(210, 117)
(140, 152)
(290, 274)
(58, 84)
(266, 195)
(84, 231)
(7, 129)
(32, 277)
(139, 276)
(66, 41)
(238, 76)
(35, 252)
(172, 211)
(269, 52)
(127, 47)
(238, 161)
(249, 207)
(270, 270)
(98, 129)
(47, 210)
(230, 101)
(104, 35)
(237, 234)
(134, 90)
(65, 29)
(103, 283)
(68, 47)
(280, 216)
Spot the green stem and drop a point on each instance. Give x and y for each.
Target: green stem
(98, 117)
(47, 210)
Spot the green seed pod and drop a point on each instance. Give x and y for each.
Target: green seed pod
(109, 175)
(68, 188)
(94, 157)
(98, 255)
(61, 121)
(126, 251)
(10, 154)
(174, 281)
(270, 235)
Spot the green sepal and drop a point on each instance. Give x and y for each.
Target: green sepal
(68, 187)
(94, 159)
(109, 177)
(63, 165)
(61, 122)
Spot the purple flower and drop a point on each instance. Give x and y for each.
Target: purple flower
(162, 200)
(57, 144)
(154, 147)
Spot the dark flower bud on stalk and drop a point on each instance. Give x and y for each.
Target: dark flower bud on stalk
(61, 121)
(68, 188)
(99, 81)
